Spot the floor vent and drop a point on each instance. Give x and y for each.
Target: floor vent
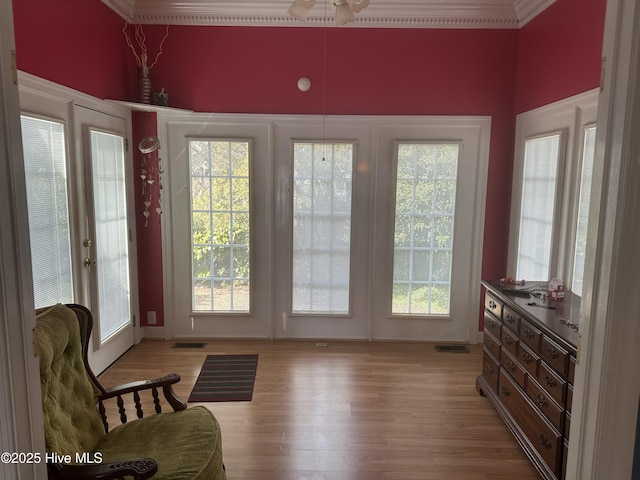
(452, 348)
(189, 345)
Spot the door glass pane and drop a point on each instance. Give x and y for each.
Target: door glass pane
(583, 209)
(112, 232)
(220, 225)
(538, 206)
(322, 185)
(47, 199)
(423, 231)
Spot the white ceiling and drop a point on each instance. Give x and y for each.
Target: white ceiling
(379, 13)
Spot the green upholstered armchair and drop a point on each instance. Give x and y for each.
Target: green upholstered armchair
(178, 445)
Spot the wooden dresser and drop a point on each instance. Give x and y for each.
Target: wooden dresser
(528, 367)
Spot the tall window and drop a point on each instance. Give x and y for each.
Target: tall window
(46, 178)
(538, 206)
(220, 198)
(551, 191)
(322, 186)
(588, 150)
(424, 219)
(112, 230)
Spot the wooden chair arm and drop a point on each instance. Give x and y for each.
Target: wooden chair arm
(165, 383)
(138, 468)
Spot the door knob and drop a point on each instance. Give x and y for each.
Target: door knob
(88, 262)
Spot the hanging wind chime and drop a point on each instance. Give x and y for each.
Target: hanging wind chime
(150, 175)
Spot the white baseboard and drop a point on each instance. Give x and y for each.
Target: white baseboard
(480, 338)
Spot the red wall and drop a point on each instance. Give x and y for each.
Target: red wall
(559, 53)
(76, 43)
(149, 235)
(368, 71)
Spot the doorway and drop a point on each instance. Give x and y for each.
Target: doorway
(78, 185)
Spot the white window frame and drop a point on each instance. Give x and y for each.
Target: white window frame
(570, 116)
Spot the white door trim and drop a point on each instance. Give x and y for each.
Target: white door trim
(21, 421)
(605, 404)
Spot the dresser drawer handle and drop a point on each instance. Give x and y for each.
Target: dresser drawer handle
(528, 359)
(492, 344)
(505, 391)
(544, 441)
(489, 369)
(541, 401)
(553, 353)
(510, 318)
(550, 381)
(529, 333)
(508, 340)
(491, 324)
(511, 366)
(492, 306)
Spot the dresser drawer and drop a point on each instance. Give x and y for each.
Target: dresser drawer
(492, 325)
(514, 368)
(511, 319)
(554, 355)
(490, 370)
(569, 397)
(493, 305)
(509, 341)
(567, 424)
(543, 435)
(492, 344)
(552, 382)
(528, 359)
(530, 335)
(572, 369)
(548, 406)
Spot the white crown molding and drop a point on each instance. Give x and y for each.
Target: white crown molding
(379, 14)
(526, 10)
(124, 8)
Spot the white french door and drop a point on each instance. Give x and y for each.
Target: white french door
(431, 189)
(336, 228)
(219, 178)
(107, 239)
(321, 239)
(78, 183)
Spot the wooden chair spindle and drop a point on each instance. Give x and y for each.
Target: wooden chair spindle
(121, 409)
(136, 399)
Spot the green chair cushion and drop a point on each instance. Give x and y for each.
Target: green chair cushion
(72, 422)
(181, 442)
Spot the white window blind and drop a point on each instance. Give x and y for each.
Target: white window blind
(322, 177)
(47, 199)
(423, 235)
(588, 151)
(538, 207)
(112, 232)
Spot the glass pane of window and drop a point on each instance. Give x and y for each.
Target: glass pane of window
(47, 199)
(423, 235)
(112, 232)
(538, 206)
(220, 229)
(322, 189)
(588, 151)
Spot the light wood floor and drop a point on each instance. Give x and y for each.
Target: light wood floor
(349, 411)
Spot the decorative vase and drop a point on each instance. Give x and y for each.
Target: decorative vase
(144, 85)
